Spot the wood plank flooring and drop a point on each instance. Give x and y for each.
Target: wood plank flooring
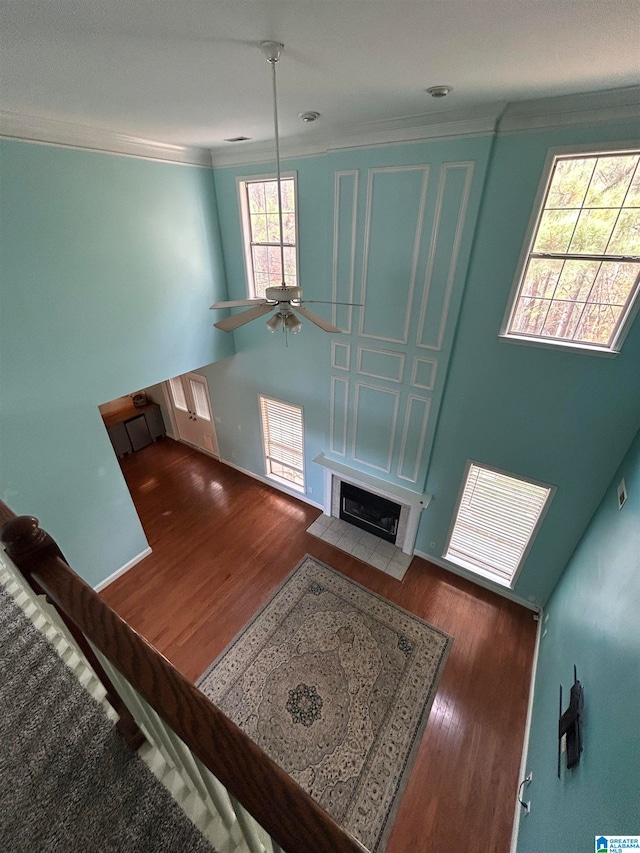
(223, 542)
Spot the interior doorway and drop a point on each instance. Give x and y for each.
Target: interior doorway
(191, 413)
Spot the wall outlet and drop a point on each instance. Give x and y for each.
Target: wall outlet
(622, 494)
(432, 545)
(309, 490)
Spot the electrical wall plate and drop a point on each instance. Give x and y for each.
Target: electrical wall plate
(622, 494)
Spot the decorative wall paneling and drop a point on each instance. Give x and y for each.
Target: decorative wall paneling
(400, 232)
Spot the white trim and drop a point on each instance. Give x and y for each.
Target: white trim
(585, 108)
(423, 433)
(392, 431)
(301, 496)
(553, 154)
(334, 363)
(414, 373)
(504, 591)
(469, 167)
(49, 131)
(245, 224)
(121, 571)
(388, 490)
(332, 416)
(336, 199)
(399, 355)
(425, 168)
(527, 734)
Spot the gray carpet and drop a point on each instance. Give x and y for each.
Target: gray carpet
(67, 781)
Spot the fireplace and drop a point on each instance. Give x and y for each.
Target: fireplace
(370, 512)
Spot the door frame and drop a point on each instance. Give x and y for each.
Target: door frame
(175, 432)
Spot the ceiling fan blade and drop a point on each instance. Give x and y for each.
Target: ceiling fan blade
(231, 323)
(319, 321)
(237, 303)
(328, 302)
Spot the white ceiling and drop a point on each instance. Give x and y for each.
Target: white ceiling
(190, 72)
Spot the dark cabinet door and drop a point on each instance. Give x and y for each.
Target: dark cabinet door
(120, 440)
(138, 432)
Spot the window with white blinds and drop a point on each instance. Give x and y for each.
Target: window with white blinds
(497, 518)
(283, 438)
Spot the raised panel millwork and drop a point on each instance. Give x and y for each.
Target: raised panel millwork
(340, 356)
(345, 206)
(416, 420)
(393, 232)
(451, 210)
(374, 426)
(338, 415)
(424, 373)
(381, 364)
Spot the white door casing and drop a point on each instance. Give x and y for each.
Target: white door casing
(191, 409)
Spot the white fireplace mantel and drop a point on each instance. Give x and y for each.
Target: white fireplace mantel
(414, 502)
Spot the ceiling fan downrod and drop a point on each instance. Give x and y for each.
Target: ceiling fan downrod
(272, 50)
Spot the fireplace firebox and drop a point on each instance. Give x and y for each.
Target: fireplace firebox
(370, 512)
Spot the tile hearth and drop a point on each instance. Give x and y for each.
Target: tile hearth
(365, 546)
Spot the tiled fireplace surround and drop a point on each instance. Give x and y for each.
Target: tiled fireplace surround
(389, 558)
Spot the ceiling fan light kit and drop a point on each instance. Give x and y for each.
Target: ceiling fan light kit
(287, 300)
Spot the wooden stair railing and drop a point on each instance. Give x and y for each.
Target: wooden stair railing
(289, 815)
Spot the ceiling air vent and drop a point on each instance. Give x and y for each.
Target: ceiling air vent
(238, 139)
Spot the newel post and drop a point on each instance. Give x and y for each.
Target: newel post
(28, 546)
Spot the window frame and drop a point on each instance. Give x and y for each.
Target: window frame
(282, 481)
(479, 570)
(537, 211)
(245, 224)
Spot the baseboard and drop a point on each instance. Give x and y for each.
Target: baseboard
(99, 587)
(480, 581)
(267, 482)
(527, 733)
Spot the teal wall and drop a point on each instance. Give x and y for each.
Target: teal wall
(593, 622)
(559, 417)
(109, 265)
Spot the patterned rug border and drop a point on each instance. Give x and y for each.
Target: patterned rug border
(421, 724)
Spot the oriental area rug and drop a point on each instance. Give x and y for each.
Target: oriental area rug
(335, 683)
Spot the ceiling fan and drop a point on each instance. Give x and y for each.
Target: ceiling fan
(285, 300)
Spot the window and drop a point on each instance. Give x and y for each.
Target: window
(283, 440)
(581, 273)
(496, 520)
(261, 232)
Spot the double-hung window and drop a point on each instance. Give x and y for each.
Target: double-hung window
(579, 280)
(261, 232)
(496, 520)
(283, 442)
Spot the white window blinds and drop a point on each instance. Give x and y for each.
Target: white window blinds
(497, 517)
(283, 436)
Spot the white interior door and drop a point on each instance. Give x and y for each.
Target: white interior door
(191, 404)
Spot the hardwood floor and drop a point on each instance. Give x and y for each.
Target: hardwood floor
(222, 543)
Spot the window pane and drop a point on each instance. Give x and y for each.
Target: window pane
(255, 193)
(260, 258)
(577, 280)
(288, 196)
(593, 231)
(262, 282)
(200, 399)
(529, 316)
(615, 282)
(273, 228)
(633, 195)
(555, 230)
(562, 319)
(610, 181)
(259, 229)
(289, 261)
(178, 395)
(598, 323)
(541, 277)
(626, 235)
(570, 183)
(271, 196)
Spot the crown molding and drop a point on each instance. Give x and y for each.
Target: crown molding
(586, 108)
(589, 108)
(417, 128)
(55, 132)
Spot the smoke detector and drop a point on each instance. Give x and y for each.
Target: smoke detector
(309, 116)
(439, 91)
